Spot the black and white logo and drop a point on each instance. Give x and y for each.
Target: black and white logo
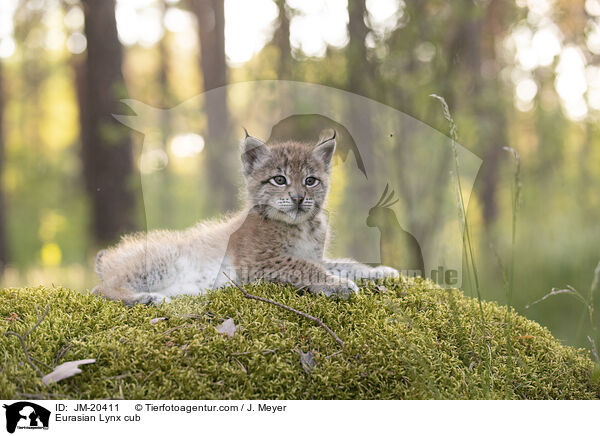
(26, 415)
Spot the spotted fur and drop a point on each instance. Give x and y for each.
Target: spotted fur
(279, 236)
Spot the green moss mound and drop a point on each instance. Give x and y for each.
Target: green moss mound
(410, 339)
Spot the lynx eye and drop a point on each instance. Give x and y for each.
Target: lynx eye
(278, 181)
(311, 181)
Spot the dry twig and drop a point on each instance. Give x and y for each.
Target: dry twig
(291, 309)
(23, 337)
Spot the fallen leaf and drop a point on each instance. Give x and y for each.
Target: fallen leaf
(227, 327)
(12, 317)
(65, 370)
(308, 361)
(157, 320)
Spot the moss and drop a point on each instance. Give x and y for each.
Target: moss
(414, 341)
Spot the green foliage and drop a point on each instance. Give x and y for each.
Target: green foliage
(414, 340)
(459, 51)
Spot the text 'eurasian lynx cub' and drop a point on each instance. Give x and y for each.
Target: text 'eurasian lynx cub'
(279, 237)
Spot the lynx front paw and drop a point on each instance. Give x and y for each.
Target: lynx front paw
(150, 299)
(340, 288)
(381, 272)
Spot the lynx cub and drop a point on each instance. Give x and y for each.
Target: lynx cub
(279, 236)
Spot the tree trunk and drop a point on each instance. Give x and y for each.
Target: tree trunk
(106, 145)
(493, 124)
(476, 42)
(166, 210)
(281, 39)
(3, 250)
(221, 162)
(360, 72)
(361, 75)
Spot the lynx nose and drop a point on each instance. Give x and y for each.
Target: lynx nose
(297, 199)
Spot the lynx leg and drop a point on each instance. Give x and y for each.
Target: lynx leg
(304, 273)
(120, 290)
(130, 298)
(353, 270)
(150, 299)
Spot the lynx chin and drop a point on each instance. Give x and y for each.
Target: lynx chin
(279, 236)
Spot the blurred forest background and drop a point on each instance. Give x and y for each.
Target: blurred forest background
(523, 74)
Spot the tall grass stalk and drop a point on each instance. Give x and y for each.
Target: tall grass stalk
(516, 196)
(588, 303)
(467, 245)
(594, 288)
(509, 282)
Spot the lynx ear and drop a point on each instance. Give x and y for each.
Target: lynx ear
(254, 151)
(324, 150)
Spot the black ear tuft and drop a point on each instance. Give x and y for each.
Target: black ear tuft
(324, 150)
(254, 151)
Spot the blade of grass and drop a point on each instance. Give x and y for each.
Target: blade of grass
(462, 209)
(588, 303)
(516, 194)
(467, 244)
(569, 290)
(509, 282)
